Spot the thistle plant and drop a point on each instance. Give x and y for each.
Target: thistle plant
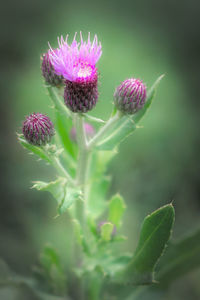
(80, 148)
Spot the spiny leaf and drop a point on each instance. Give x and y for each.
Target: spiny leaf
(39, 151)
(61, 191)
(71, 195)
(154, 235)
(56, 188)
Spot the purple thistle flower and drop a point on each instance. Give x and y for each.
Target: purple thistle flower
(48, 71)
(77, 64)
(130, 96)
(89, 130)
(38, 129)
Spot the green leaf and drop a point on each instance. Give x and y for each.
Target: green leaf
(116, 210)
(154, 235)
(39, 151)
(110, 264)
(71, 195)
(63, 122)
(97, 198)
(122, 129)
(150, 95)
(126, 125)
(52, 270)
(180, 258)
(103, 158)
(61, 191)
(106, 231)
(56, 188)
(49, 257)
(113, 265)
(63, 127)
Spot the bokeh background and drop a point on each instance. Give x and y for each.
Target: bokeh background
(156, 165)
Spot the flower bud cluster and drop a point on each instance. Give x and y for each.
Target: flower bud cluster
(74, 65)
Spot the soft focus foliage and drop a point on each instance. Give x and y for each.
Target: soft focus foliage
(156, 165)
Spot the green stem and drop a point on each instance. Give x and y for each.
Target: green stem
(81, 177)
(81, 167)
(84, 158)
(94, 288)
(82, 144)
(103, 130)
(61, 107)
(57, 164)
(58, 102)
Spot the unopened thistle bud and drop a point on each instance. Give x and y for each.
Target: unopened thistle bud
(81, 96)
(77, 64)
(48, 72)
(104, 222)
(38, 129)
(130, 96)
(89, 131)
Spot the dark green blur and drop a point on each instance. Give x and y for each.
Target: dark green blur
(158, 164)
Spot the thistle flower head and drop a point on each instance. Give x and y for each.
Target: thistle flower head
(76, 62)
(38, 129)
(48, 71)
(130, 96)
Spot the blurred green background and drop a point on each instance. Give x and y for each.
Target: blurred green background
(156, 165)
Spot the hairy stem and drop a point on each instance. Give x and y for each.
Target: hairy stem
(103, 130)
(81, 167)
(83, 151)
(58, 102)
(81, 177)
(57, 164)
